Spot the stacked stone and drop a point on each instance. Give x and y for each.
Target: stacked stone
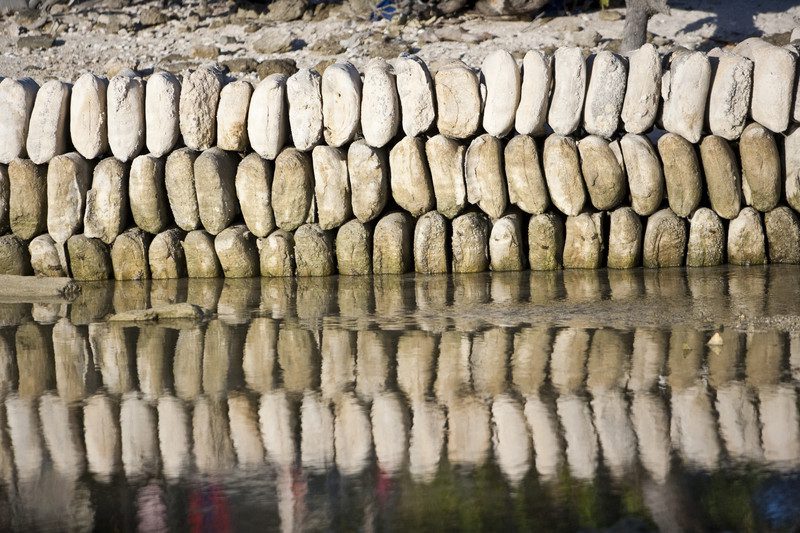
(562, 161)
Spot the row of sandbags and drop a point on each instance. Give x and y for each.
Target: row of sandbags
(686, 93)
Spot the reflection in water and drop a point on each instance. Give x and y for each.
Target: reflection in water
(666, 399)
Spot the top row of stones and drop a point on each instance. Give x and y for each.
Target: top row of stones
(685, 93)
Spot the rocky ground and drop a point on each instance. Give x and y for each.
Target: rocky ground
(104, 36)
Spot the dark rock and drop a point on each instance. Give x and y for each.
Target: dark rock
(276, 66)
(152, 17)
(240, 65)
(35, 42)
(206, 51)
(328, 46)
(286, 10)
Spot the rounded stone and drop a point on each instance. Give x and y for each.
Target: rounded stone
(682, 176)
(746, 242)
(485, 176)
(67, 183)
(45, 258)
(562, 172)
(430, 244)
(605, 94)
(706, 245)
(723, 182)
(313, 252)
(232, 111)
(27, 203)
(566, 104)
(162, 98)
(293, 189)
(268, 117)
(179, 182)
(129, 255)
(254, 192)
(341, 103)
(603, 172)
(458, 101)
(107, 201)
(14, 257)
(201, 256)
(645, 178)
(198, 108)
(624, 239)
(354, 249)
(304, 94)
(410, 178)
(470, 242)
(126, 127)
(446, 161)
(527, 188)
(501, 77)
(761, 168)
(506, 245)
(215, 183)
(369, 180)
(331, 187)
(167, 260)
(392, 246)
(791, 168)
(545, 242)
(685, 93)
(147, 195)
(783, 235)
(664, 240)
(643, 90)
(89, 258)
(731, 89)
(276, 254)
(237, 252)
(47, 128)
(16, 105)
(583, 244)
(534, 103)
(415, 89)
(380, 104)
(88, 118)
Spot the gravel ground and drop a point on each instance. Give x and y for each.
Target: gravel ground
(104, 36)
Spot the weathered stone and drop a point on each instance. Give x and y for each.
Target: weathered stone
(664, 240)
(458, 101)
(562, 172)
(706, 239)
(415, 89)
(341, 103)
(643, 91)
(268, 67)
(276, 254)
(88, 119)
(545, 242)
(313, 251)
(14, 258)
(331, 187)
(5, 200)
(603, 172)
(129, 255)
(179, 182)
(369, 180)
(126, 127)
(684, 89)
(293, 190)
(723, 183)
(773, 82)
(16, 105)
(162, 113)
(237, 252)
(410, 179)
(380, 104)
(484, 175)
(392, 245)
(527, 188)
(201, 256)
(67, 183)
(89, 259)
(500, 75)
(761, 168)
(746, 242)
(506, 245)
(198, 108)
(446, 161)
(783, 235)
(682, 176)
(645, 179)
(268, 117)
(430, 244)
(107, 201)
(354, 249)
(254, 191)
(729, 100)
(45, 258)
(147, 195)
(215, 182)
(566, 105)
(583, 244)
(791, 167)
(470, 242)
(167, 260)
(27, 203)
(234, 103)
(47, 128)
(534, 103)
(624, 239)
(605, 94)
(304, 94)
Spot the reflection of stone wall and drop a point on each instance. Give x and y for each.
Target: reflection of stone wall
(563, 161)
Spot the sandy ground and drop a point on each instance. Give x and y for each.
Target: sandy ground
(103, 37)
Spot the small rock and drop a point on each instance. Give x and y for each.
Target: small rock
(584, 38)
(203, 51)
(715, 340)
(285, 10)
(274, 42)
(275, 66)
(162, 312)
(35, 42)
(610, 15)
(241, 65)
(152, 17)
(328, 46)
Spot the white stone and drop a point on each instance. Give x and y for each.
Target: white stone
(485, 177)
(198, 108)
(534, 103)
(729, 101)
(234, 102)
(179, 181)
(369, 180)
(304, 93)
(527, 188)
(16, 105)
(47, 130)
(341, 103)
(645, 177)
(562, 172)
(88, 124)
(458, 100)
(446, 162)
(605, 94)
(107, 201)
(415, 89)
(684, 89)
(254, 190)
(162, 113)
(331, 187)
(380, 104)
(643, 91)
(411, 184)
(268, 117)
(126, 127)
(566, 105)
(500, 74)
(67, 183)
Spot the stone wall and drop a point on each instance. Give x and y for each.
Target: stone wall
(562, 161)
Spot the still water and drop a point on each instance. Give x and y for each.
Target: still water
(630, 401)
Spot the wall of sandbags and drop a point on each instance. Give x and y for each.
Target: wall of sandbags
(563, 160)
